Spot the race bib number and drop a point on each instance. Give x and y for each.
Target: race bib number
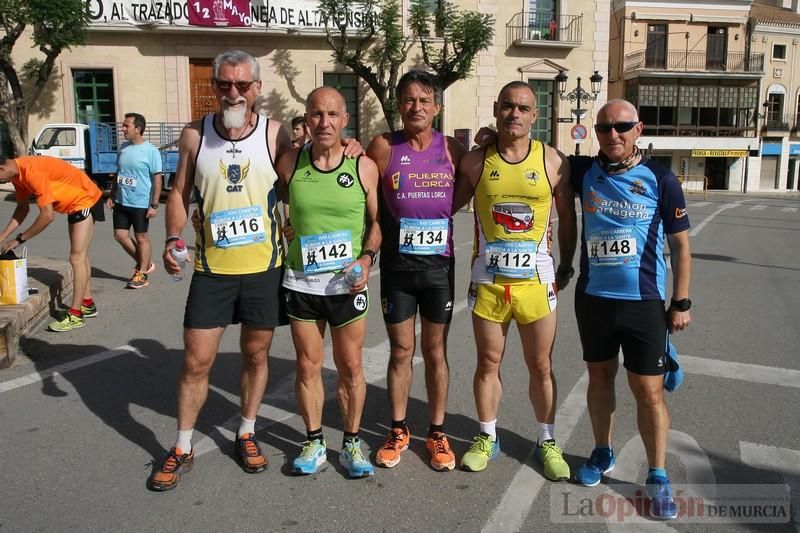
(124, 180)
(237, 227)
(512, 259)
(423, 236)
(325, 252)
(611, 250)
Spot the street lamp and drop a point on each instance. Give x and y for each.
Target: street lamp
(578, 96)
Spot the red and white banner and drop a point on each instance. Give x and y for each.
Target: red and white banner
(301, 15)
(219, 13)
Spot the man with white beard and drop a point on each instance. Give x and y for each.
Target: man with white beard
(228, 159)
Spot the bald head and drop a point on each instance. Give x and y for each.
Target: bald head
(618, 110)
(326, 116)
(618, 127)
(324, 93)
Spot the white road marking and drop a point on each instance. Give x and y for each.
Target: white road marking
(375, 361)
(710, 217)
(772, 458)
(632, 461)
(699, 204)
(524, 489)
(510, 514)
(37, 377)
(767, 375)
(758, 208)
(789, 210)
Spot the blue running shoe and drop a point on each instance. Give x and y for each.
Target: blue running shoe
(601, 462)
(312, 456)
(354, 461)
(659, 490)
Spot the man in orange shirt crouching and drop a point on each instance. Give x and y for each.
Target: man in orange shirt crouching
(56, 186)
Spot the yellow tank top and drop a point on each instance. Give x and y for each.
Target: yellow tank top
(513, 210)
(235, 185)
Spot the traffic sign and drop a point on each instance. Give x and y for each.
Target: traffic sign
(565, 119)
(579, 133)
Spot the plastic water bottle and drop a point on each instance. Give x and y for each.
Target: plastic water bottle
(354, 275)
(179, 254)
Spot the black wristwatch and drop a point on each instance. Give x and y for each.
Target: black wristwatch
(369, 253)
(154, 206)
(19, 238)
(681, 305)
(564, 270)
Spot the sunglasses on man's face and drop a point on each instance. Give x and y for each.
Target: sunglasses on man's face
(241, 86)
(619, 127)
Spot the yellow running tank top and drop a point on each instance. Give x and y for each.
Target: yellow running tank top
(513, 211)
(236, 190)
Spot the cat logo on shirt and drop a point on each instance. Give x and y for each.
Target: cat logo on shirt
(234, 174)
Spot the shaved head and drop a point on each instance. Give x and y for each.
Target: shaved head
(322, 93)
(616, 109)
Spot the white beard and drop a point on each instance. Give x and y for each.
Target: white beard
(234, 118)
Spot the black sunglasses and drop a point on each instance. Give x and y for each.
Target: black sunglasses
(620, 127)
(241, 86)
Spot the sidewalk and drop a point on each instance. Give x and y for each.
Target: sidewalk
(51, 280)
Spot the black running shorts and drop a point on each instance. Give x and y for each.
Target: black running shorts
(430, 290)
(125, 217)
(639, 327)
(216, 300)
(337, 310)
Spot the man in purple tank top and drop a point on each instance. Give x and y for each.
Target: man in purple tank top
(417, 169)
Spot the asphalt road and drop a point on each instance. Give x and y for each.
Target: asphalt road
(84, 413)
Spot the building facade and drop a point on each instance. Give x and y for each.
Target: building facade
(144, 56)
(714, 86)
(776, 33)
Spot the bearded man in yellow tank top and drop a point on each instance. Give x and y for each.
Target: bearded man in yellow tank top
(516, 182)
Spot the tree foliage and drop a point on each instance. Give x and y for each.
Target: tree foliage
(376, 48)
(458, 37)
(375, 51)
(55, 26)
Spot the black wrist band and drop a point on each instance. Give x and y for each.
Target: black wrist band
(172, 238)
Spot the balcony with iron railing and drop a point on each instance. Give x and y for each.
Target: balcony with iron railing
(544, 28)
(775, 123)
(683, 61)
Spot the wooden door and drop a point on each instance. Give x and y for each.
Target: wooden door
(203, 99)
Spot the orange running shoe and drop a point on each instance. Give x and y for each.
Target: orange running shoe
(396, 443)
(442, 457)
(167, 476)
(249, 454)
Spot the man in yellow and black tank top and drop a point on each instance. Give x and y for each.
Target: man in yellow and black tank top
(513, 204)
(227, 158)
(515, 184)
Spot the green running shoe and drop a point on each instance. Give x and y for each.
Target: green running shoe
(88, 311)
(551, 456)
(479, 454)
(68, 323)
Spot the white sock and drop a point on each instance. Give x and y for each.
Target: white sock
(246, 426)
(546, 432)
(490, 428)
(184, 442)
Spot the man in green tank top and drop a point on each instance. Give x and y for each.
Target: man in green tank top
(333, 202)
